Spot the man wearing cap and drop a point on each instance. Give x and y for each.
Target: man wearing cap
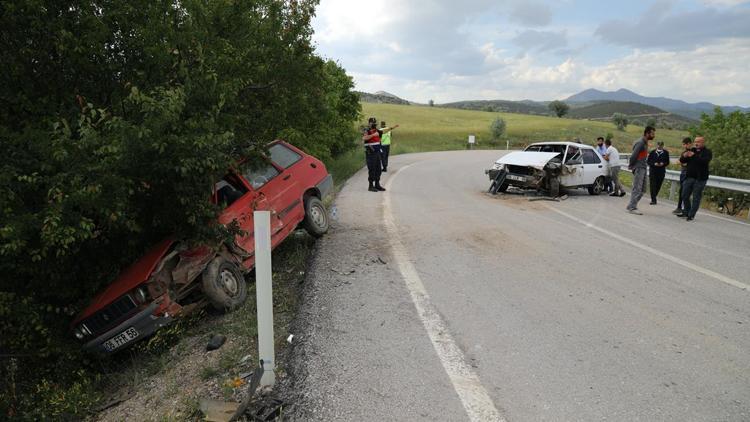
(385, 144)
(658, 161)
(697, 160)
(371, 140)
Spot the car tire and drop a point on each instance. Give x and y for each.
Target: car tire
(224, 285)
(597, 187)
(316, 217)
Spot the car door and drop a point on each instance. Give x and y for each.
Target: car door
(593, 166)
(290, 184)
(237, 200)
(572, 174)
(263, 178)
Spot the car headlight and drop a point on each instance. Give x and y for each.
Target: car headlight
(141, 295)
(78, 333)
(497, 166)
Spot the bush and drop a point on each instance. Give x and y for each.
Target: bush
(559, 108)
(117, 118)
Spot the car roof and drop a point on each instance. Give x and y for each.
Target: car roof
(576, 144)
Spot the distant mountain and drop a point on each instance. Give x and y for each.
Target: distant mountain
(523, 107)
(381, 97)
(605, 109)
(692, 110)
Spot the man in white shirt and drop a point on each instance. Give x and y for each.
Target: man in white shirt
(613, 159)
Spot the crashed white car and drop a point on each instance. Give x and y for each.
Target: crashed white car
(550, 166)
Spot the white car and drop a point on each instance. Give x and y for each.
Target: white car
(550, 166)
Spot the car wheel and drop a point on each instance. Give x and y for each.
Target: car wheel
(224, 285)
(597, 187)
(316, 217)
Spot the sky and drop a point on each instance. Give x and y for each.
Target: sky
(452, 50)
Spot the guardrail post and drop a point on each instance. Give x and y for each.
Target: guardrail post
(672, 189)
(264, 295)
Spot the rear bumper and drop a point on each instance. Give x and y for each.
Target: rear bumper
(145, 322)
(325, 187)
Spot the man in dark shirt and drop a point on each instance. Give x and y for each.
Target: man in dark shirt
(687, 145)
(658, 160)
(696, 176)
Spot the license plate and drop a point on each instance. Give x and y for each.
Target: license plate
(121, 339)
(519, 178)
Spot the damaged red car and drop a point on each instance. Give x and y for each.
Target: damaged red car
(171, 279)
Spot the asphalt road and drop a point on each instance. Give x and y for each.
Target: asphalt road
(436, 301)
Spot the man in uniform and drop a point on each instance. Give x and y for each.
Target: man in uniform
(385, 144)
(371, 139)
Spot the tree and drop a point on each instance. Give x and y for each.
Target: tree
(651, 121)
(431, 103)
(497, 128)
(115, 118)
(728, 137)
(620, 120)
(559, 108)
(609, 136)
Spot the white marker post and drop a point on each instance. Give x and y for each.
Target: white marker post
(264, 295)
(472, 141)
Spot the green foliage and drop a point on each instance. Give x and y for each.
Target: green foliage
(431, 103)
(651, 121)
(620, 120)
(609, 136)
(497, 128)
(728, 138)
(116, 119)
(559, 108)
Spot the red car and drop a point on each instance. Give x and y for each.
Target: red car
(171, 280)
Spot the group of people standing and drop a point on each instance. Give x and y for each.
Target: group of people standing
(377, 143)
(694, 161)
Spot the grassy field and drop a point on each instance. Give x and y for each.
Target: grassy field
(425, 128)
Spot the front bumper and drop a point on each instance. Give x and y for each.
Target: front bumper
(325, 187)
(513, 179)
(145, 322)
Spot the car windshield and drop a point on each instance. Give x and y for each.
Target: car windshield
(547, 148)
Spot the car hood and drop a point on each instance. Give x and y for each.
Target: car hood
(128, 279)
(533, 159)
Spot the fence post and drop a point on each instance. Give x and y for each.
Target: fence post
(264, 295)
(672, 189)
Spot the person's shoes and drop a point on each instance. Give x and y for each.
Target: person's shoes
(652, 203)
(682, 215)
(689, 219)
(613, 194)
(677, 211)
(635, 211)
(379, 188)
(372, 189)
(622, 193)
(385, 170)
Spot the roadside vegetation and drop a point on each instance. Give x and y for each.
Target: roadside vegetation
(116, 119)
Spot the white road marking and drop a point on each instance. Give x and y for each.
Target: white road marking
(651, 250)
(475, 399)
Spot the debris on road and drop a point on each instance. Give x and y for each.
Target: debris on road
(217, 340)
(289, 339)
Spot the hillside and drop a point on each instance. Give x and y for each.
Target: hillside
(605, 109)
(691, 110)
(425, 128)
(523, 107)
(380, 97)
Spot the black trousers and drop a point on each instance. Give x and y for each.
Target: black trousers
(384, 151)
(372, 156)
(656, 178)
(683, 176)
(692, 193)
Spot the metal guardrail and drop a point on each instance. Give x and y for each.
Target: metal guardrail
(718, 182)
